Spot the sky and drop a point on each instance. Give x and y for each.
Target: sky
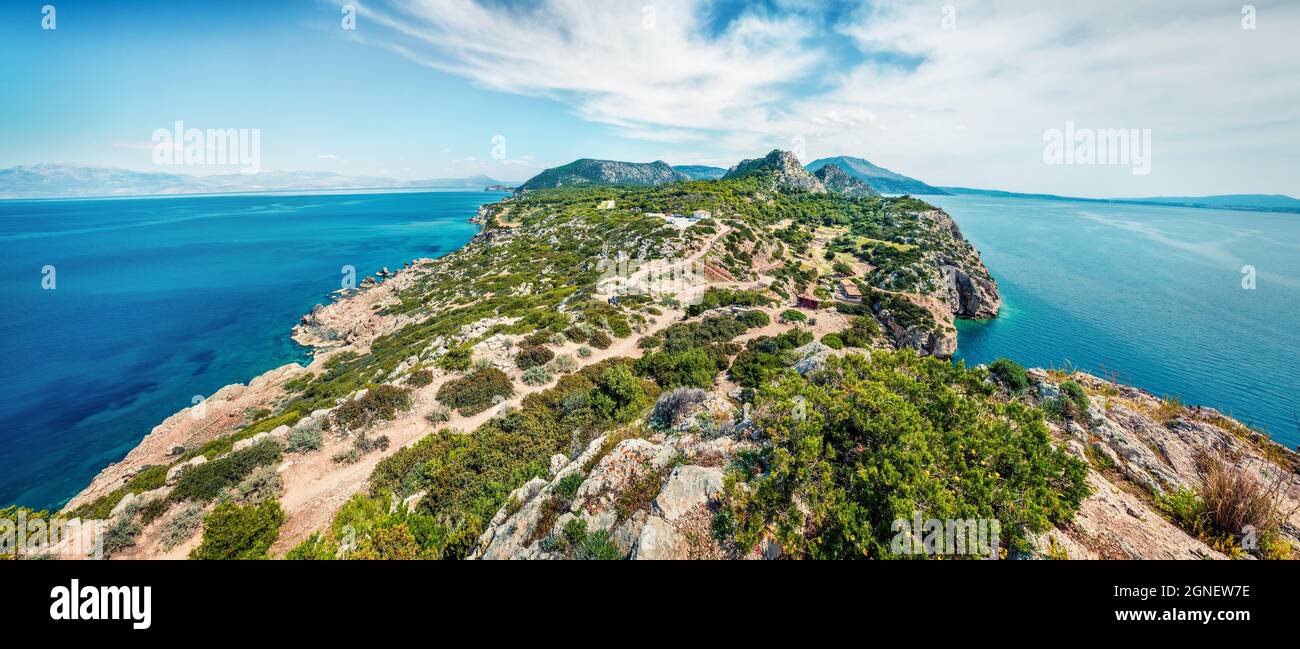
(953, 93)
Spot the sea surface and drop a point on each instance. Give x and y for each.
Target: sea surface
(1152, 296)
(157, 300)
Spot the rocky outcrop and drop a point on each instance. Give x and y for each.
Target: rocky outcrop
(646, 498)
(837, 181)
(781, 169)
(1140, 448)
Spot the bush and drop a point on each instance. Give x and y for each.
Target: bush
(181, 526)
(674, 405)
(240, 531)
(150, 511)
(262, 484)
(438, 416)
(380, 403)
(536, 376)
(1010, 373)
(793, 315)
(584, 351)
(879, 440)
(533, 356)
(599, 340)
(833, 341)
(120, 535)
(474, 393)
(754, 318)
(206, 481)
(1072, 405)
(304, 439)
(696, 367)
(567, 488)
(1235, 499)
(420, 378)
(862, 330)
(564, 364)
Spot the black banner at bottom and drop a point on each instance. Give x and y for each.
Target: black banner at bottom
(143, 599)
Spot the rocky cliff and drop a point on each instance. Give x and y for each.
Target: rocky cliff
(779, 170)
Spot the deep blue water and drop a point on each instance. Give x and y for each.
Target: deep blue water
(1150, 295)
(161, 299)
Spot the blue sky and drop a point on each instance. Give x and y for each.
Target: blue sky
(957, 93)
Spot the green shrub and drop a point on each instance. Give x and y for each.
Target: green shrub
(120, 535)
(564, 364)
(584, 352)
(206, 481)
(151, 510)
(240, 531)
(1010, 373)
(474, 393)
(878, 440)
(420, 378)
(754, 318)
(181, 526)
(793, 315)
(533, 356)
(567, 488)
(380, 403)
(304, 439)
(861, 332)
(438, 416)
(833, 341)
(536, 376)
(600, 340)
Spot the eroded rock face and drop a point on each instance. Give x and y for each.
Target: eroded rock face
(1144, 458)
(649, 498)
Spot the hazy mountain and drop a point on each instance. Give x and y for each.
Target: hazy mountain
(838, 181)
(783, 170)
(701, 172)
(1242, 202)
(879, 178)
(587, 171)
(66, 181)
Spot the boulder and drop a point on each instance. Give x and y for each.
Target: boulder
(659, 540)
(688, 488)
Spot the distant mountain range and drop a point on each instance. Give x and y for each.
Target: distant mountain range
(1240, 202)
(72, 181)
(605, 172)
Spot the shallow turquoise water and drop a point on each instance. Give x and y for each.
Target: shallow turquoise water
(161, 299)
(1151, 294)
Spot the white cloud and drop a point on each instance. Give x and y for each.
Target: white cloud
(1219, 100)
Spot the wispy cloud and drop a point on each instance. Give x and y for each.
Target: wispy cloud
(964, 102)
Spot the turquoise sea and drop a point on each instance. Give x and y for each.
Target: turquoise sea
(1150, 295)
(157, 300)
